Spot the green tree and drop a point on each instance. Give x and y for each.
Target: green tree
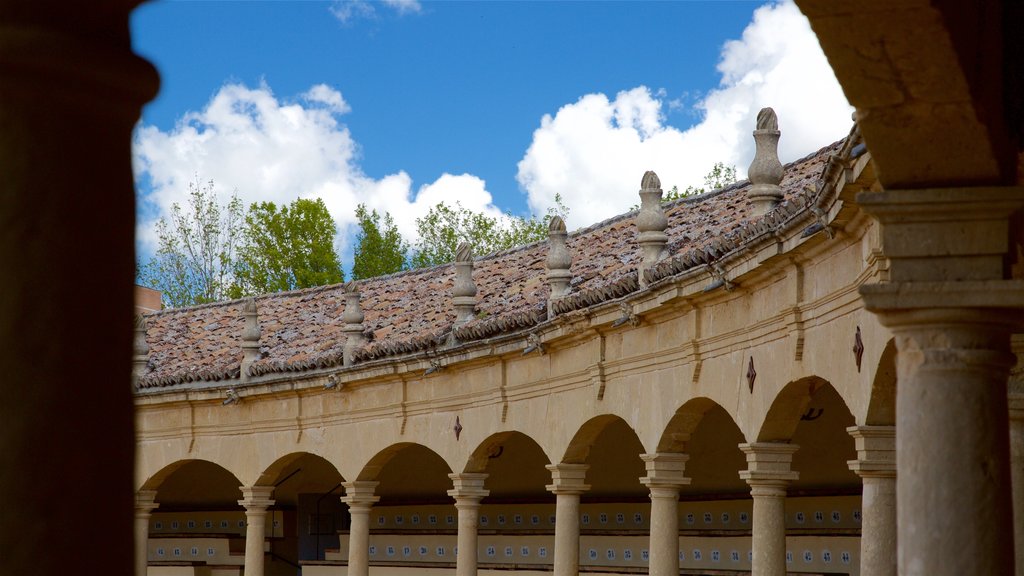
(195, 256)
(379, 248)
(720, 176)
(444, 227)
(287, 248)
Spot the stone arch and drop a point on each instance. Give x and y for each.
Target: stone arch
(684, 422)
(300, 472)
(612, 448)
(825, 445)
(515, 464)
(882, 403)
(788, 406)
(408, 471)
(195, 482)
(710, 436)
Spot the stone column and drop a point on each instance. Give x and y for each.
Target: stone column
(1016, 409)
(145, 503)
(468, 491)
(952, 313)
(664, 478)
(876, 466)
(768, 474)
(70, 94)
(567, 485)
(360, 499)
(256, 500)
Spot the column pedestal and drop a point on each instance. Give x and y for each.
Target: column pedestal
(145, 503)
(664, 478)
(768, 474)
(256, 500)
(567, 485)
(952, 311)
(468, 491)
(360, 499)
(876, 466)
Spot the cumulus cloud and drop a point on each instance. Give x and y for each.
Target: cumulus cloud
(251, 142)
(348, 10)
(594, 151)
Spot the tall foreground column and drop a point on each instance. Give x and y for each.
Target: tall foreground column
(567, 485)
(664, 478)
(255, 500)
(1015, 398)
(468, 491)
(70, 93)
(876, 466)
(768, 474)
(145, 503)
(360, 499)
(952, 311)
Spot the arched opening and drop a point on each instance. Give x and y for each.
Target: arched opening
(199, 518)
(712, 442)
(515, 468)
(409, 473)
(307, 490)
(882, 405)
(612, 450)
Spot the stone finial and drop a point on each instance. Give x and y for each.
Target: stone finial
(140, 358)
(464, 293)
(250, 336)
(353, 319)
(765, 171)
(651, 222)
(559, 260)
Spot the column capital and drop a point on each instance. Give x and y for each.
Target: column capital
(768, 464)
(256, 498)
(876, 451)
(665, 469)
(567, 478)
(359, 494)
(145, 501)
(468, 487)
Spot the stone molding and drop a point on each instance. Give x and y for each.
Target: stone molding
(768, 465)
(568, 478)
(256, 498)
(665, 470)
(360, 494)
(145, 503)
(468, 488)
(876, 451)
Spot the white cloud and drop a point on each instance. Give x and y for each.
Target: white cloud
(594, 151)
(348, 10)
(248, 140)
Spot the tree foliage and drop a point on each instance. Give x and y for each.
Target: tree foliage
(719, 177)
(194, 260)
(444, 227)
(286, 248)
(380, 248)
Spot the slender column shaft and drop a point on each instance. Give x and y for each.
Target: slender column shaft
(664, 478)
(256, 500)
(876, 465)
(567, 485)
(468, 492)
(1016, 401)
(360, 499)
(144, 505)
(952, 424)
(768, 473)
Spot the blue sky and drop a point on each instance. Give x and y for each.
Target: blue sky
(499, 105)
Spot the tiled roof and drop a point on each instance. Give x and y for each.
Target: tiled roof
(412, 310)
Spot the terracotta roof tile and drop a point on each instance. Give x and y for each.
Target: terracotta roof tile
(412, 310)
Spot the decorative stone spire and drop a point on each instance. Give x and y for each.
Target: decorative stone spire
(141, 356)
(558, 261)
(765, 171)
(465, 291)
(651, 222)
(250, 337)
(353, 319)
